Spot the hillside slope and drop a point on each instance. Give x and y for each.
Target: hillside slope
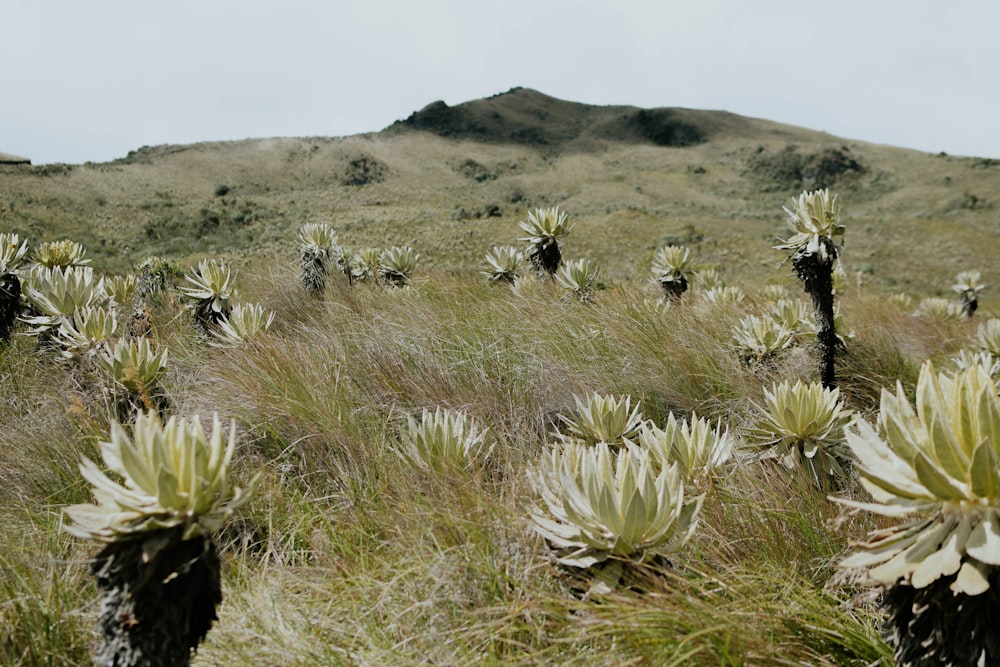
(451, 181)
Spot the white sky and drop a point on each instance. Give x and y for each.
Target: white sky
(90, 80)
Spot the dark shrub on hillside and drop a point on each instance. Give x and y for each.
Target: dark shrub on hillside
(477, 172)
(663, 128)
(823, 169)
(364, 170)
(790, 170)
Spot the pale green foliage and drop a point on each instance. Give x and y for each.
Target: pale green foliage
(318, 239)
(968, 281)
(544, 226)
(721, 296)
(503, 264)
(60, 254)
(173, 476)
(87, 331)
(814, 216)
(940, 464)
(598, 504)
(693, 445)
(211, 286)
(364, 264)
(774, 292)
(444, 440)
(246, 322)
(137, 365)
(966, 359)
(988, 336)
(671, 263)
(121, 290)
(397, 264)
(580, 278)
(902, 300)
(759, 338)
(793, 314)
(709, 278)
(604, 418)
(12, 251)
(318, 245)
(940, 308)
(57, 293)
(802, 425)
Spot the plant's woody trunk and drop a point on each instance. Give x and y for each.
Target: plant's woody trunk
(154, 614)
(934, 627)
(673, 288)
(817, 277)
(10, 304)
(546, 258)
(970, 302)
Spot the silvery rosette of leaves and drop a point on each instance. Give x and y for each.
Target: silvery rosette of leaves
(171, 475)
(815, 219)
(935, 464)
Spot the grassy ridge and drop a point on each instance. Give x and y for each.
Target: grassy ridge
(349, 556)
(455, 186)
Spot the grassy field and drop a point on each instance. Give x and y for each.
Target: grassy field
(347, 555)
(350, 556)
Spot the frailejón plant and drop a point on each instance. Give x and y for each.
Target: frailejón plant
(603, 418)
(939, 308)
(580, 279)
(503, 264)
(793, 315)
(135, 366)
(709, 278)
(693, 445)
(88, 332)
(543, 228)
(444, 440)
(318, 249)
(155, 274)
(158, 571)
(815, 219)
(61, 254)
(12, 251)
(210, 288)
(935, 465)
(671, 269)
(364, 264)
(729, 295)
(967, 358)
(396, 265)
(246, 322)
(988, 336)
(802, 425)
(122, 291)
(53, 295)
(599, 504)
(968, 286)
(759, 338)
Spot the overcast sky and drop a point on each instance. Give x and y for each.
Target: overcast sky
(91, 80)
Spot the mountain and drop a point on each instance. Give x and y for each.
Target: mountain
(452, 180)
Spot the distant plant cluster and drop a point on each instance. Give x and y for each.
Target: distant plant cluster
(613, 492)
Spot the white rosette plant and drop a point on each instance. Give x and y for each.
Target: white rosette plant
(936, 466)
(159, 570)
(602, 508)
